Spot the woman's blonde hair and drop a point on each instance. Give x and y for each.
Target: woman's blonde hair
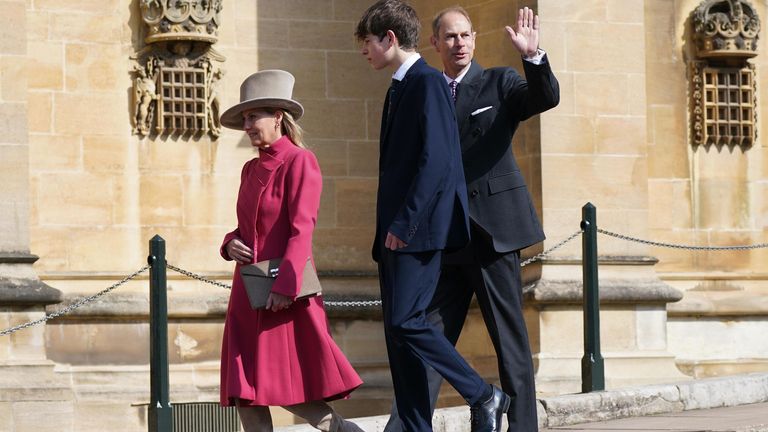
(290, 127)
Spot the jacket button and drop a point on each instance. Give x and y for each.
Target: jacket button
(477, 132)
(473, 193)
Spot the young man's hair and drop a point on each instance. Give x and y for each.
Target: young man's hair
(395, 15)
(453, 9)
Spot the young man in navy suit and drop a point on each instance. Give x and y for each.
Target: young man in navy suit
(490, 103)
(421, 210)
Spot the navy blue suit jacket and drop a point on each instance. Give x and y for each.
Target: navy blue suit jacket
(422, 195)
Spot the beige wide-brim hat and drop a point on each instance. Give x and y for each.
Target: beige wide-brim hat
(264, 89)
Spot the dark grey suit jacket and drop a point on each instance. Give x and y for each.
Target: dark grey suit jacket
(489, 106)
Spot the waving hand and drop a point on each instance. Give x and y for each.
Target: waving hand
(525, 37)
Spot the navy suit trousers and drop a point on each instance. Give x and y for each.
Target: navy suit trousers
(408, 282)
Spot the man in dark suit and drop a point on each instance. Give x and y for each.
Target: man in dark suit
(490, 103)
(421, 210)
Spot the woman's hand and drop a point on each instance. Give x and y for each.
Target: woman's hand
(277, 302)
(238, 251)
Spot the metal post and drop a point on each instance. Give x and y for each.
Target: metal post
(592, 368)
(160, 410)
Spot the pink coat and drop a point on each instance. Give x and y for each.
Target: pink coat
(287, 357)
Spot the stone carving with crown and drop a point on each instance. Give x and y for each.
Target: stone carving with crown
(723, 85)
(176, 76)
(725, 28)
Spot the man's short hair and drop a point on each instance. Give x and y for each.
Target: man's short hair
(439, 16)
(395, 15)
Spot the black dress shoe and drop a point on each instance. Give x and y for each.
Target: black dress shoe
(486, 416)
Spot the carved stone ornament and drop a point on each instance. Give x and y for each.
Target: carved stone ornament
(725, 28)
(196, 20)
(723, 85)
(176, 76)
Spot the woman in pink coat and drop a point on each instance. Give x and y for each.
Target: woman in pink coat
(282, 355)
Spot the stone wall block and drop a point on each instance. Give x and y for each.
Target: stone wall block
(665, 92)
(88, 7)
(350, 76)
(622, 55)
(13, 78)
(77, 27)
(573, 11)
(320, 35)
(176, 156)
(232, 152)
(192, 248)
(364, 159)
(608, 182)
(349, 10)
(40, 114)
(250, 33)
(37, 25)
(569, 133)
(45, 65)
(13, 123)
(49, 242)
(13, 28)
(621, 135)
(27, 416)
(361, 341)
(106, 153)
(618, 11)
(493, 14)
(331, 155)
(95, 67)
(90, 114)
(308, 66)
(194, 342)
(600, 94)
(94, 415)
(334, 119)
(344, 249)
(75, 199)
(210, 200)
(358, 199)
(101, 249)
(670, 205)
(54, 153)
(161, 200)
(668, 155)
(314, 10)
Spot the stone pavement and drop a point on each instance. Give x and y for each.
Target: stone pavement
(742, 418)
(736, 403)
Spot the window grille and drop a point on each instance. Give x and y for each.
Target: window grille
(182, 100)
(728, 106)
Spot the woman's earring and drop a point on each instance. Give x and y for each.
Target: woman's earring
(277, 126)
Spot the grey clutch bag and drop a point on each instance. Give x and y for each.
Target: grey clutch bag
(259, 278)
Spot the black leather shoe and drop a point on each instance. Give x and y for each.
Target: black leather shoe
(486, 416)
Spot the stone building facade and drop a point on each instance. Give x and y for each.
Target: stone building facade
(84, 192)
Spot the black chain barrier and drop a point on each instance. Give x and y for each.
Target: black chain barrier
(367, 303)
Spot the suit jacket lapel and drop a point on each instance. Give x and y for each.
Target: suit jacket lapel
(398, 96)
(467, 94)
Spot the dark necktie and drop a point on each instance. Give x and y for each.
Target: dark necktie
(391, 97)
(453, 85)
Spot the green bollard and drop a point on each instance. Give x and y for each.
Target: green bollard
(592, 367)
(160, 409)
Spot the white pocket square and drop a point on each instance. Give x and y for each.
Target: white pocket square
(479, 110)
